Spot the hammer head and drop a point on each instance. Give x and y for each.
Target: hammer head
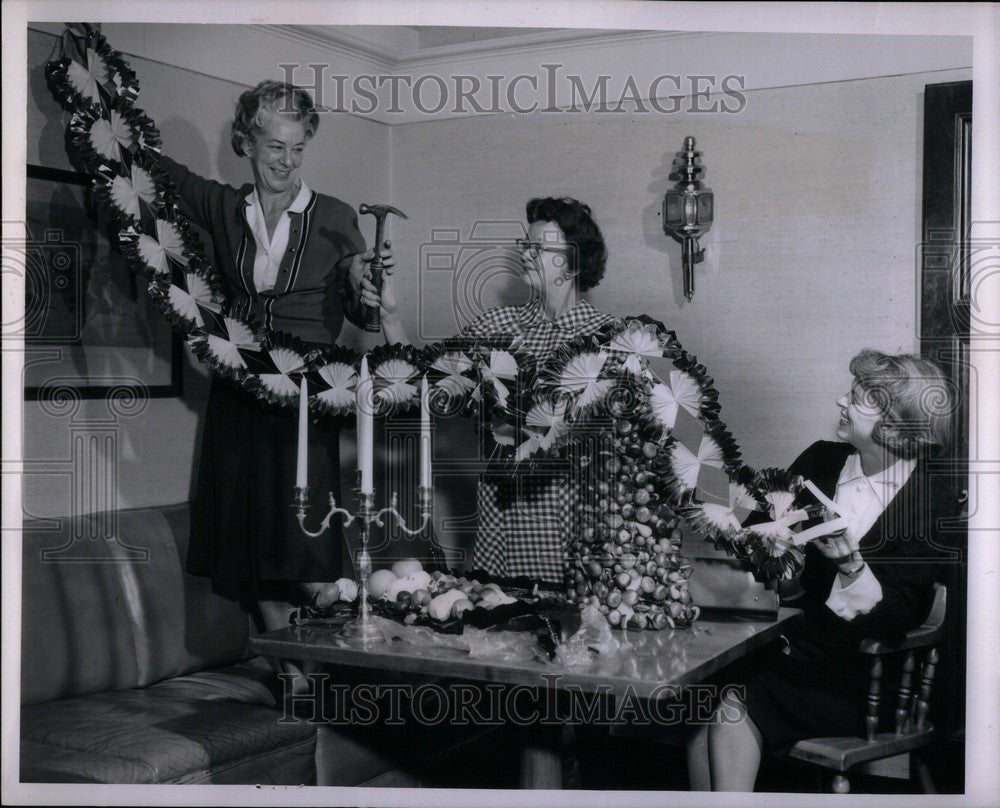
(380, 211)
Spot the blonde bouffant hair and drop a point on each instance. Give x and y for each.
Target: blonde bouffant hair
(914, 396)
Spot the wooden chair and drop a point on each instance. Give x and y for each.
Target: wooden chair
(895, 753)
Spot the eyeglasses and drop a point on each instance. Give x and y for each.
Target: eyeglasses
(533, 247)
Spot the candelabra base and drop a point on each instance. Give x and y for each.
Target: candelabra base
(361, 630)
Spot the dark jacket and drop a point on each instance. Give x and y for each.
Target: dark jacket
(309, 299)
(901, 549)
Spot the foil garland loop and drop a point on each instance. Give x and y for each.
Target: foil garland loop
(453, 377)
(395, 375)
(275, 368)
(90, 73)
(333, 380)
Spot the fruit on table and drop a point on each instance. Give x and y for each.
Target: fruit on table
(328, 594)
(421, 598)
(348, 589)
(460, 606)
(494, 597)
(406, 567)
(380, 581)
(410, 583)
(440, 607)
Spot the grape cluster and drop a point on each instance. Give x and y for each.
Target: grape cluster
(626, 560)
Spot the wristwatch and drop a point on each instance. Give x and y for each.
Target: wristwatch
(854, 573)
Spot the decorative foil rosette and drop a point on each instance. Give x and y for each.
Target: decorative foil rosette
(116, 136)
(275, 369)
(582, 372)
(333, 380)
(641, 339)
(767, 543)
(89, 73)
(395, 375)
(222, 342)
(452, 376)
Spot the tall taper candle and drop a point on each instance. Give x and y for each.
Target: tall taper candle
(425, 436)
(302, 462)
(363, 403)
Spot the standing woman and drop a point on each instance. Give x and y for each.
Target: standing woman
(290, 259)
(873, 579)
(525, 519)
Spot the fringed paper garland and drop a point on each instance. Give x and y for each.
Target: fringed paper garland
(591, 381)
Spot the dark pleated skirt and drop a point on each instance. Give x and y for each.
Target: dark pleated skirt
(791, 697)
(243, 525)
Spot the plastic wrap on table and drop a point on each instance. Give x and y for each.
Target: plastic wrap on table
(593, 634)
(502, 646)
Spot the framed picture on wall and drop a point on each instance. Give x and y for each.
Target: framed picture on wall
(88, 322)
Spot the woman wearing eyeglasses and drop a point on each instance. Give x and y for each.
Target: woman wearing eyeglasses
(524, 520)
(873, 579)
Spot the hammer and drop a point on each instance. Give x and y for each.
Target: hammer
(372, 320)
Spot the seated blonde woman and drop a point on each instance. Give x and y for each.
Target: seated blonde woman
(870, 580)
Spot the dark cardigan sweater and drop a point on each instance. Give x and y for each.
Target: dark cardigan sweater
(309, 299)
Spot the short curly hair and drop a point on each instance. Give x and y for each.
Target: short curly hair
(273, 97)
(575, 220)
(914, 396)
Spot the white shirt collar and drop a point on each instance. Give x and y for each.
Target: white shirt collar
(885, 482)
(298, 204)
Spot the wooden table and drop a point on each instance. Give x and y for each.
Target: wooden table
(654, 664)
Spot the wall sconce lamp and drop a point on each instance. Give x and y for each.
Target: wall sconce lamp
(688, 208)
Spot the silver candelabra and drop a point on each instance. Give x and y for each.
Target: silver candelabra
(361, 628)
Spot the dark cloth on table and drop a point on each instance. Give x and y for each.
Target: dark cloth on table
(818, 688)
(243, 527)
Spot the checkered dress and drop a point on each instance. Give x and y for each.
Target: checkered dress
(526, 520)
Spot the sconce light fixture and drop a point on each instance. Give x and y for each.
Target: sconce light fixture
(688, 208)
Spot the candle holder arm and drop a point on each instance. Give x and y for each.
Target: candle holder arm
(302, 499)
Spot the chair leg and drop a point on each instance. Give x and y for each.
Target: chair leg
(840, 784)
(922, 774)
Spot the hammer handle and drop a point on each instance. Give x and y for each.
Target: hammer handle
(372, 317)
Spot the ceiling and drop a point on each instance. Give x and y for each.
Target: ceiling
(434, 36)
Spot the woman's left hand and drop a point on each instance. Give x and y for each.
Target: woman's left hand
(361, 272)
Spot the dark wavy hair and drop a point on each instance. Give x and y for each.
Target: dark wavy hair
(274, 97)
(915, 399)
(589, 254)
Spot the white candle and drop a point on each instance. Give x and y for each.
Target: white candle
(425, 436)
(302, 462)
(363, 403)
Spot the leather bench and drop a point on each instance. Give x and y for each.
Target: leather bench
(133, 671)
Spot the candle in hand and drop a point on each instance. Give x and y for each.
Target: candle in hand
(363, 403)
(302, 462)
(425, 436)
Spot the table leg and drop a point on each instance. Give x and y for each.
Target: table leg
(541, 757)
